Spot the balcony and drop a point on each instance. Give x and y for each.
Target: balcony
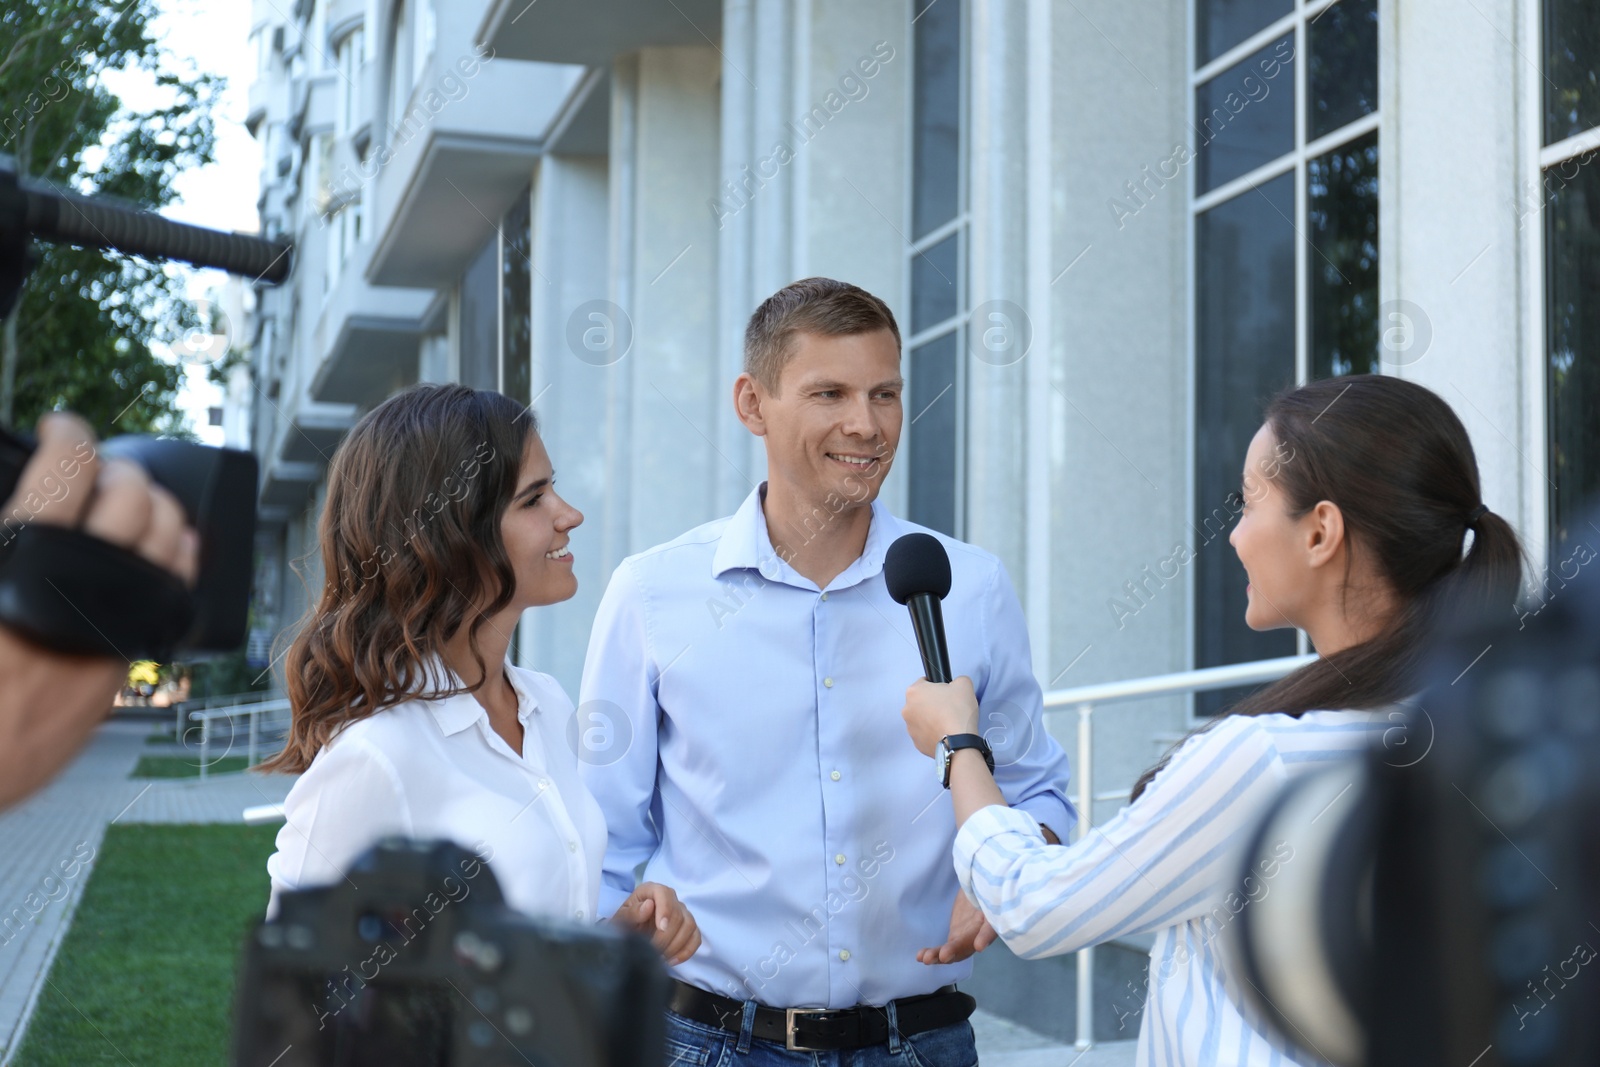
(314, 103)
(343, 16)
(262, 95)
(284, 490)
(449, 168)
(367, 337)
(593, 32)
(314, 431)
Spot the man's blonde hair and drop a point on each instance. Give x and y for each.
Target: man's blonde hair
(821, 306)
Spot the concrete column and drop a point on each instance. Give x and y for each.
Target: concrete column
(1119, 435)
(999, 328)
(665, 153)
(624, 194)
(850, 114)
(570, 385)
(736, 283)
(1456, 238)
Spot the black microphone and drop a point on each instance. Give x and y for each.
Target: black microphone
(917, 571)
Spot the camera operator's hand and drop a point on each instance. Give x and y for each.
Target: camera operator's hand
(50, 702)
(121, 505)
(655, 909)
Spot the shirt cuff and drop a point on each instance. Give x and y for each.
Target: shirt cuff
(996, 825)
(1048, 809)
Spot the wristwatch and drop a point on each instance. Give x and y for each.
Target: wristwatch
(949, 745)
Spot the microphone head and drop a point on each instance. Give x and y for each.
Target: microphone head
(916, 563)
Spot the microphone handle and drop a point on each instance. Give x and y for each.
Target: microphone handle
(927, 619)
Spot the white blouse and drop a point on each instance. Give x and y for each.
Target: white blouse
(434, 769)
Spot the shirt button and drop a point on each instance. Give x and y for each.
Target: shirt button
(543, 783)
(839, 858)
(828, 682)
(835, 776)
(844, 954)
(824, 596)
(572, 846)
(578, 913)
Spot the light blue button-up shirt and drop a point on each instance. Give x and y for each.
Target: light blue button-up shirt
(741, 730)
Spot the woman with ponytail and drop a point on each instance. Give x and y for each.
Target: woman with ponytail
(441, 527)
(1362, 521)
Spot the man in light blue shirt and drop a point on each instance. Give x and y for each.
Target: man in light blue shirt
(744, 683)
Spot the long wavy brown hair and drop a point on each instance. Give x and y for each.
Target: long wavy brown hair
(411, 551)
(1399, 464)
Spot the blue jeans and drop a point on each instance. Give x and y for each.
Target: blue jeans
(693, 1044)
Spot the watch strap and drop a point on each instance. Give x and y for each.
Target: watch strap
(955, 742)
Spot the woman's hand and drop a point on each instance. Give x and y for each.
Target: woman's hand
(655, 910)
(937, 709)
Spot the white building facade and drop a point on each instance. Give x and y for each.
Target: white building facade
(1109, 230)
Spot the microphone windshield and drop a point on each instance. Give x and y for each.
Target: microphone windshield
(916, 563)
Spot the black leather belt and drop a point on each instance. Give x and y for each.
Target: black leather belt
(825, 1029)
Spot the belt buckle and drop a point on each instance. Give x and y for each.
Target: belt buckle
(788, 1027)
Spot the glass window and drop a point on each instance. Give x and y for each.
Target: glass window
(1244, 117)
(334, 233)
(422, 34)
(933, 428)
(516, 296)
(934, 293)
(1343, 72)
(936, 120)
(478, 322)
(1572, 68)
(1222, 24)
(1261, 268)
(400, 64)
(1342, 270)
(1572, 344)
(1244, 353)
(934, 396)
(350, 70)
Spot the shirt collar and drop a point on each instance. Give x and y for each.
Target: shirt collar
(458, 712)
(745, 542)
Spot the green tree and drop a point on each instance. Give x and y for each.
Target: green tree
(80, 336)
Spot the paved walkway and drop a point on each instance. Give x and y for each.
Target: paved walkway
(48, 843)
(1002, 1043)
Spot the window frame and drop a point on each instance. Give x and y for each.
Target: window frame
(1294, 24)
(959, 226)
(1539, 158)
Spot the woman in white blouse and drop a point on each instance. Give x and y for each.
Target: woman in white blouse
(1357, 496)
(441, 526)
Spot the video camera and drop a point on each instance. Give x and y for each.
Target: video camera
(78, 594)
(1446, 912)
(415, 960)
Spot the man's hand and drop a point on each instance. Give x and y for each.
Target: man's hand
(50, 702)
(654, 909)
(970, 933)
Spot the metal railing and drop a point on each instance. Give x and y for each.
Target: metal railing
(252, 711)
(182, 708)
(1085, 698)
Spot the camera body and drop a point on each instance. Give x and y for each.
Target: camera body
(415, 959)
(76, 594)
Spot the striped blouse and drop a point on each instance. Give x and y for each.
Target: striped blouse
(1163, 864)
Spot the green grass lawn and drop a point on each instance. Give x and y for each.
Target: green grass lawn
(184, 766)
(145, 975)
